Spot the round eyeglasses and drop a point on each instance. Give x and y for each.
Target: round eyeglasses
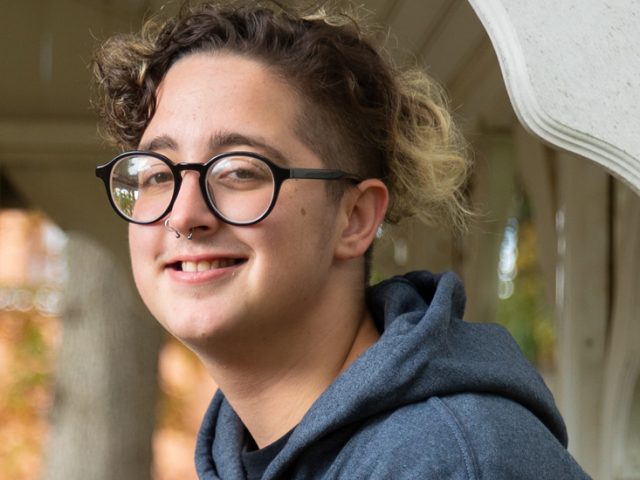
(240, 188)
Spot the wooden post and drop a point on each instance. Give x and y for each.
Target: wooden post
(492, 196)
(537, 175)
(620, 424)
(582, 302)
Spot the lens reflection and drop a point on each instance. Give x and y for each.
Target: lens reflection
(142, 187)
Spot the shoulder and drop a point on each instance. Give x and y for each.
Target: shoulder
(465, 436)
(508, 440)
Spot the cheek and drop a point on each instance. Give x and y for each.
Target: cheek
(302, 230)
(141, 242)
(136, 242)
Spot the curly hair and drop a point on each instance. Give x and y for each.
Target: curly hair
(361, 113)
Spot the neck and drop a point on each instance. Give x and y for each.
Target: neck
(275, 383)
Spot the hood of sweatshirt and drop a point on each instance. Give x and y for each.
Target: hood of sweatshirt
(425, 351)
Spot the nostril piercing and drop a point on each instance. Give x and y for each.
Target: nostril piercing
(168, 226)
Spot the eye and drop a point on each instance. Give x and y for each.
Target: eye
(155, 177)
(240, 173)
(159, 178)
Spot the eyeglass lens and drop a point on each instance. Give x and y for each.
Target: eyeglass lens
(240, 188)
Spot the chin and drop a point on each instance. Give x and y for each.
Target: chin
(196, 331)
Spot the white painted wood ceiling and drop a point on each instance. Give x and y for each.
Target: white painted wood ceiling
(46, 45)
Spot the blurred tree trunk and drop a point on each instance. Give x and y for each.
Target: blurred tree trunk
(106, 383)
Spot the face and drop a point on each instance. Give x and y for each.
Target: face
(228, 281)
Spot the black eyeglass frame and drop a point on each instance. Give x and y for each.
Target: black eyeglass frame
(280, 174)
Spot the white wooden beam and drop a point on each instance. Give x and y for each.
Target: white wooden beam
(620, 440)
(582, 296)
(492, 197)
(536, 174)
(26, 140)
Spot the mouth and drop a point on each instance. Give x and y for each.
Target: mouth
(205, 265)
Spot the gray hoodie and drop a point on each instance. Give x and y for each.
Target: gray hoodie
(434, 398)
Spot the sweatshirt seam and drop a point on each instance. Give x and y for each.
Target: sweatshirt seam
(460, 437)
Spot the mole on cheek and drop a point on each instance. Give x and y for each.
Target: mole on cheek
(303, 211)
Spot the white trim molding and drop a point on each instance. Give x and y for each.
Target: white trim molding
(573, 74)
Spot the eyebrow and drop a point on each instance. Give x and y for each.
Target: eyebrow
(219, 140)
(162, 142)
(234, 139)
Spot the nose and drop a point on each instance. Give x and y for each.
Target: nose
(190, 211)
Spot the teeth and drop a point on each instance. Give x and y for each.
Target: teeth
(189, 267)
(203, 266)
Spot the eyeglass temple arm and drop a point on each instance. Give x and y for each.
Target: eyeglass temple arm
(319, 174)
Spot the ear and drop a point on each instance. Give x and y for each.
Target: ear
(364, 208)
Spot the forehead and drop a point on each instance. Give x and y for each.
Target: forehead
(205, 94)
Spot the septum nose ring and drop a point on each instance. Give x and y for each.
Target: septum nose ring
(168, 226)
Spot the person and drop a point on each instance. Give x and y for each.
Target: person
(263, 148)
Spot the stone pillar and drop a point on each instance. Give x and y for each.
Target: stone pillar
(106, 386)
